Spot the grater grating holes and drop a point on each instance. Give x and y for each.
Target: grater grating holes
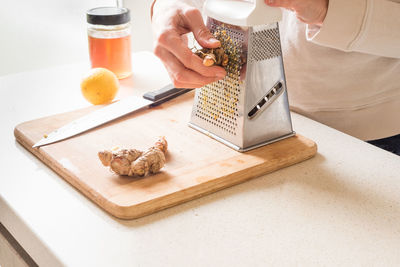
(266, 44)
(217, 103)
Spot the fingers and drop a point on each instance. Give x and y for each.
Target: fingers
(181, 76)
(307, 11)
(185, 39)
(192, 61)
(193, 19)
(184, 67)
(172, 41)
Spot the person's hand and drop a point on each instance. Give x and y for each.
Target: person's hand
(171, 22)
(307, 11)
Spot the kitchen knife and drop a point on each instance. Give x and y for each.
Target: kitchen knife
(111, 112)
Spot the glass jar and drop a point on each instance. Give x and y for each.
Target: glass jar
(109, 34)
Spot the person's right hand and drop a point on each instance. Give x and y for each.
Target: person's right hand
(171, 22)
(307, 11)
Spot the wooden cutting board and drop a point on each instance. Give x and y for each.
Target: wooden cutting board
(196, 164)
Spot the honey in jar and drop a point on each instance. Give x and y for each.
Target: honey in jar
(109, 39)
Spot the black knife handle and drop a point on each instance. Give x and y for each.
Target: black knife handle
(164, 94)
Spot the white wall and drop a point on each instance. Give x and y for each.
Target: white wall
(44, 33)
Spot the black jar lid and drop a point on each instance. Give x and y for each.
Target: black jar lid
(108, 15)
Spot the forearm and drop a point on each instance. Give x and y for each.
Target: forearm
(366, 26)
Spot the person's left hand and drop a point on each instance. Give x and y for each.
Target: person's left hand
(307, 11)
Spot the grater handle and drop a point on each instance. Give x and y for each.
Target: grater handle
(242, 13)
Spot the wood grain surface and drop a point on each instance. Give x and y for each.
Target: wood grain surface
(196, 164)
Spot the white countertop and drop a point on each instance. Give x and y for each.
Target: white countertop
(341, 207)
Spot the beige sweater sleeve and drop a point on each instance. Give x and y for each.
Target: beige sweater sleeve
(366, 26)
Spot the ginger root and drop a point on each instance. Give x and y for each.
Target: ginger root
(213, 56)
(133, 162)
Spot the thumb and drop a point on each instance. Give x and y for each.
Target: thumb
(205, 38)
(200, 31)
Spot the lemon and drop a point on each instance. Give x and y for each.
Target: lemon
(99, 86)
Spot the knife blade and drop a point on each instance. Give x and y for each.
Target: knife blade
(110, 113)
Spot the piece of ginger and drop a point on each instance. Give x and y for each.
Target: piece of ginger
(133, 162)
(213, 56)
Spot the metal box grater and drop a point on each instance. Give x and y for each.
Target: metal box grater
(249, 108)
